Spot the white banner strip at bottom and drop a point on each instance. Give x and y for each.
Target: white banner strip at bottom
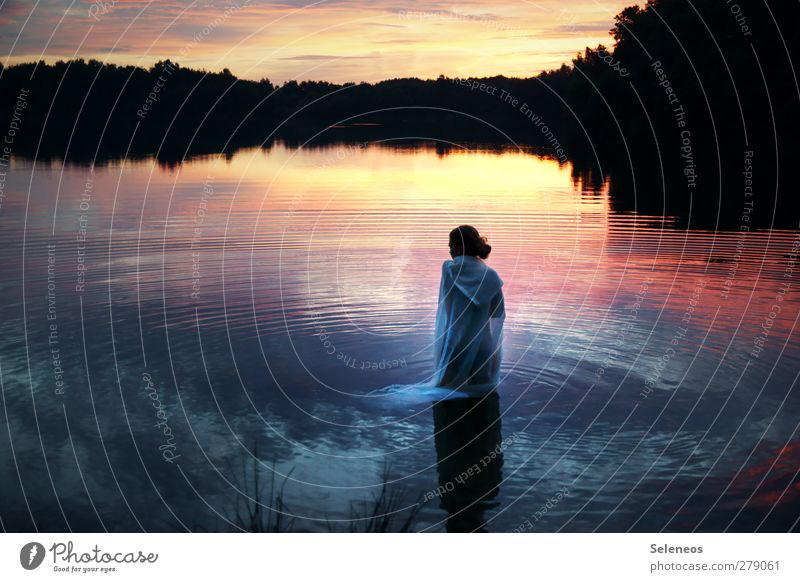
(390, 557)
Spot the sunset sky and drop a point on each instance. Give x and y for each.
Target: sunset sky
(334, 40)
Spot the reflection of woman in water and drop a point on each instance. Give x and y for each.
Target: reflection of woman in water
(469, 454)
(469, 321)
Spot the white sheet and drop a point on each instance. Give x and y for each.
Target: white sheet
(468, 334)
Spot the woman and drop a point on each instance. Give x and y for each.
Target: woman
(469, 325)
(469, 321)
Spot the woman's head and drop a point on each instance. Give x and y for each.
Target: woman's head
(465, 240)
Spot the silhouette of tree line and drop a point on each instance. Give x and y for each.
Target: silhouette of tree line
(727, 64)
(731, 66)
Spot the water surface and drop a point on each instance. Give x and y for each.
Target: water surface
(170, 332)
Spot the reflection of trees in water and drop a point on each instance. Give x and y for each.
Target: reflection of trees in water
(736, 90)
(701, 91)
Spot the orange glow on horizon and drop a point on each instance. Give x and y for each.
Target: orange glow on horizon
(336, 41)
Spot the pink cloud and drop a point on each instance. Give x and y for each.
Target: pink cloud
(269, 39)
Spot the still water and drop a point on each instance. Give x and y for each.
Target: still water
(181, 341)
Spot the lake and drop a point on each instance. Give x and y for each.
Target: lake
(181, 342)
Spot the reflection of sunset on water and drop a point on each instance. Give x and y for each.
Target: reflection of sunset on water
(298, 281)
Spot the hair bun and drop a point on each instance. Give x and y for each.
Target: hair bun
(465, 240)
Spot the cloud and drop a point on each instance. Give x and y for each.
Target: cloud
(436, 14)
(281, 39)
(592, 26)
(13, 11)
(383, 24)
(325, 57)
(397, 41)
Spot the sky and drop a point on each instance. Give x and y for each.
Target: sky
(332, 40)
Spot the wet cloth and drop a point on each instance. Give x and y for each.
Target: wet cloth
(468, 336)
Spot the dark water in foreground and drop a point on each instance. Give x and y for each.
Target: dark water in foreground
(230, 318)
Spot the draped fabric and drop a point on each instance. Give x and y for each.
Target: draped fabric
(469, 326)
(468, 333)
